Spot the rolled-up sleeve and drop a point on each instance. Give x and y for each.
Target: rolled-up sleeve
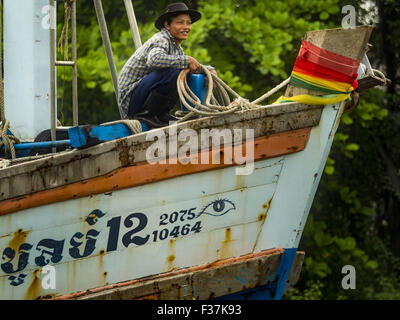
(158, 57)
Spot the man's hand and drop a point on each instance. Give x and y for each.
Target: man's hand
(194, 65)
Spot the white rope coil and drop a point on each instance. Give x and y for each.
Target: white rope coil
(211, 106)
(133, 125)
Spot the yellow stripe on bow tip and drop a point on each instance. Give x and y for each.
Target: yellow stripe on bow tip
(317, 100)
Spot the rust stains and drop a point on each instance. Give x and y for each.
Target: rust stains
(261, 216)
(212, 295)
(227, 248)
(228, 234)
(159, 277)
(101, 267)
(125, 155)
(240, 182)
(74, 271)
(33, 292)
(18, 239)
(171, 256)
(293, 148)
(265, 207)
(155, 296)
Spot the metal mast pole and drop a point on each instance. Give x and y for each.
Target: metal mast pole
(74, 67)
(133, 24)
(52, 74)
(107, 46)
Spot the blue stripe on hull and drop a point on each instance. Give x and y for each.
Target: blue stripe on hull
(273, 290)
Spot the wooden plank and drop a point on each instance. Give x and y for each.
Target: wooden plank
(296, 269)
(368, 82)
(78, 165)
(264, 147)
(199, 283)
(350, 43)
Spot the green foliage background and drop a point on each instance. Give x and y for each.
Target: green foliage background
(355, 218)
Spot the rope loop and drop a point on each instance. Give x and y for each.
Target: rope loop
(220, 98)
(63, 41)
(381, 75)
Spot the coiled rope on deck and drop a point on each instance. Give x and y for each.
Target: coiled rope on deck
(211, 106)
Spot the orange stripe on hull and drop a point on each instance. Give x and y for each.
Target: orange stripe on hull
(143, 173)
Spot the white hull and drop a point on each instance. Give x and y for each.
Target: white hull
(264, 210)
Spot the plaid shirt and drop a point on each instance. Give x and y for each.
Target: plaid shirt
(160, 51)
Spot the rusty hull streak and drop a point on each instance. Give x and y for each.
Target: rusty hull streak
(18, 238)
(171, 255)
(226, 246)
(33, 292)
(262, 217)
(102, 273)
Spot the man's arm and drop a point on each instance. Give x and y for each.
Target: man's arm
(158, 57)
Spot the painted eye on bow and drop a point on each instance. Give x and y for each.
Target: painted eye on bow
(218, 208)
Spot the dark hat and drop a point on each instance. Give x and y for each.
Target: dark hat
(173, 8)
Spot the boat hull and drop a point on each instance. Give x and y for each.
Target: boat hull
(179, 222)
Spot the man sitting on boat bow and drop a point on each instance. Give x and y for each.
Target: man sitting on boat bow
(147, 83)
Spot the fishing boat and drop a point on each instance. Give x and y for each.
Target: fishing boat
(103, 222)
